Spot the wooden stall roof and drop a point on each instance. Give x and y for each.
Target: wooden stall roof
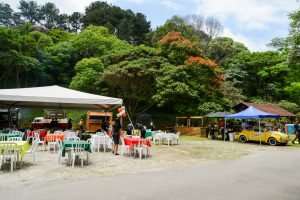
(269, 108)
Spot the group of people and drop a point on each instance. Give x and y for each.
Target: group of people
(296, 130)
(211, 129)
(116, 133)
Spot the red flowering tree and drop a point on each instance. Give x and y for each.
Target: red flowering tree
(177, 49)
(192, 80)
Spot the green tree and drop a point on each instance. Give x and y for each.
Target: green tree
(88, 73)
(123, 23)
(30, 11)
(175, 24)
(6, 15)
(192, 81)
(49, 13)
(131, 75)
(222, 48)
(289, 106)
(293, 91)
(62, 22)
(75, 22)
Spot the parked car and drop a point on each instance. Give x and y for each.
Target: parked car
(271, 137)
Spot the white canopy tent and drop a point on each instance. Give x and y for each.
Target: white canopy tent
(55, 97)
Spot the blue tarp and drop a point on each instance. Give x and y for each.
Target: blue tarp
(252, 113)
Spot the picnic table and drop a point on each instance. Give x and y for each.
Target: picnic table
(67, 144)
(135, 141)
(22, 145)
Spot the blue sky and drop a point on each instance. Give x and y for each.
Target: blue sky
(252, 22)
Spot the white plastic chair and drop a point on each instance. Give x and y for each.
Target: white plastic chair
(51, 142)
(58, 132)
(90, 142)
(32, 150)
(124, 147)
(73, 138)
(176, 138)
(139, 149)
(9, 150)
(146, 148)
(14, 139)
(37, 137)
(102, 140)
(1, 160)
(157, 137)
(3, 137)
(28, 137)
(77, 150)
(59, 147)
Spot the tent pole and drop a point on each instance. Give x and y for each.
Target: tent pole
(225, 131)
(128, 116)
(259, 132)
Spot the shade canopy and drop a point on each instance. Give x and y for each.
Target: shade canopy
(144, 116)
(217, 114)
(55, 97)
(252, 113)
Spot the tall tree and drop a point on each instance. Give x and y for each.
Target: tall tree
(30, 11)
(131, 75)
(192, 81)
(123, 23)
(50, 13)
(75, 22)
(62, 22)
(6, 15)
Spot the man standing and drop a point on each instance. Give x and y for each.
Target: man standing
(296, 131)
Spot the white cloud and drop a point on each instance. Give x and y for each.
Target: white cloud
(248, 14)
(138, 1)
(172, 5)
(252, 44)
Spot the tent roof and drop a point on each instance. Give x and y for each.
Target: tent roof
(55, 97)
(269, 108)
(217, 114)
(144, 116)
(252, 113)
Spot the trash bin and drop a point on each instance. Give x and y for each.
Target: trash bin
(231, 137)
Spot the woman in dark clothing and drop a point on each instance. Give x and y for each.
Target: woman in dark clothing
(116, 135)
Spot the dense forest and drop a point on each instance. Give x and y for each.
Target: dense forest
(181, 67)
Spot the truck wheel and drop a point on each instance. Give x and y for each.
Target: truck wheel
(243, 139)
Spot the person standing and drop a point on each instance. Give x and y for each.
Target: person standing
(129, 129)
(212, 132)
(207, 130)
(70, 124)
(116, 136)
(143, 131)
(296, 131)
(81, 125)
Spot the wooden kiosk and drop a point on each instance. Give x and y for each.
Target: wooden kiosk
(94, 120)
(190, 125)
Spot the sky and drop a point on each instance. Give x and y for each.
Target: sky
(253, 22)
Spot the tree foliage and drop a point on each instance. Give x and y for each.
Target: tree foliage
(125, 24)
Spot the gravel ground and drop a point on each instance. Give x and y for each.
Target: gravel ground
(189, 151)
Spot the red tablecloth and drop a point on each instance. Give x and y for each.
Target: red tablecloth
(56, 136)
(41, 133)
(135, 141)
